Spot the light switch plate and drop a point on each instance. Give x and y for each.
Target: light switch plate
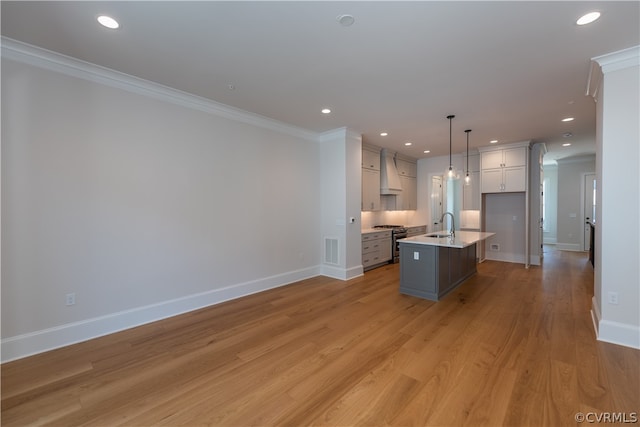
(416, 256)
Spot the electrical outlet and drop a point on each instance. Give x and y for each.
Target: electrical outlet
(613, 298)
(71, 299)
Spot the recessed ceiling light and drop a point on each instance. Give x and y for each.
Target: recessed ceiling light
(384, 134)
(566, 144)
(493, 141)
(588, 18)
(567, 119)
(408, 143)
(326, 111)
(108, 22)
(426, 151)
(346, 20)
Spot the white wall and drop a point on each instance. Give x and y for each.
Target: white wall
(617, 266)
(141, 207)
(504, 214)
(570, 219)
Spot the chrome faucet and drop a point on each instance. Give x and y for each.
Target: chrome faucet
(453, 223)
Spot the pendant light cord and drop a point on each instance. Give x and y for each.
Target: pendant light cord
(467, 132)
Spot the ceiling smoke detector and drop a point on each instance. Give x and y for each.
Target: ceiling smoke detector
(567, 135)
(346, 20)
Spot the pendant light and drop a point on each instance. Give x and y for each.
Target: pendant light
(467, 178)
(451, 172)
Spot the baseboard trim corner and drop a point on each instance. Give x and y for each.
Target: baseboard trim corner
(614, 332)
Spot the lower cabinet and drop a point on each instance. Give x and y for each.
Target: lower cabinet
(416, 230)
(376, 249)
(431, 272)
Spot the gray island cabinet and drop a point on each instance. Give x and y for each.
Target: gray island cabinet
(431, 267)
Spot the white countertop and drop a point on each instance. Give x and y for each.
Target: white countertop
(462, 239)
(373, 230)
(377, 230)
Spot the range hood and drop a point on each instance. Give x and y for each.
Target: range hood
(389, 177)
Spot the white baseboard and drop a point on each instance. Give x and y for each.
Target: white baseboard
(549, 240)
(341, 273)
(504, 256)
(614, 332)
(32, 343)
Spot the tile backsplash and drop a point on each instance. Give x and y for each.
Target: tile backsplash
(470, 219)
(369, 219)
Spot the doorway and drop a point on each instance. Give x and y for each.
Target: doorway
(589, 208)
(436, 203)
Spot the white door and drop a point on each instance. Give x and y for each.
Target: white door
(541, 210)
(589, 207)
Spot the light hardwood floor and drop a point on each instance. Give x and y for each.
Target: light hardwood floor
(511, 347)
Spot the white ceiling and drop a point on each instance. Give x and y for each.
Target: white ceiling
(508, 70)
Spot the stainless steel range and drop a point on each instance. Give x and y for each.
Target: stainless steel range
(397, 232)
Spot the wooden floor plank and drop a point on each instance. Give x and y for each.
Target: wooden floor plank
(511, 346)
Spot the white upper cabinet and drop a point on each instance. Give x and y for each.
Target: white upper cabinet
(408, 199)
(370, 159)
(510, 157)
(408, 172)
(504, 170)
(370, 179)
(370, 190)
(515, 157)
(492, 159)
(406, 168)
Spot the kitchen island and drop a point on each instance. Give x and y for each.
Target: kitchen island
(434, 264)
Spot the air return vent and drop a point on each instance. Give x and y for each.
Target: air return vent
(331, 250)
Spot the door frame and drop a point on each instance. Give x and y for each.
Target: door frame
(583, 213)
(433, 225)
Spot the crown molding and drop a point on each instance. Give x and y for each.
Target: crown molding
(53, 61)
(339, 133)
(527, 144)
(613, 61)
(619, 60)
(577, 159)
